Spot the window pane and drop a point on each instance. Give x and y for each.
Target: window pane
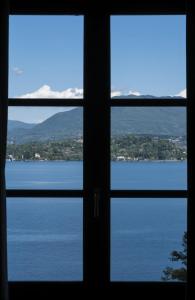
(45, 239)
(148, 57)
(144, 232)
(46, 57)
(45, 148)
(148, 148)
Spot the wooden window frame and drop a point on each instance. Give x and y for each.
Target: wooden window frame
(96, 87)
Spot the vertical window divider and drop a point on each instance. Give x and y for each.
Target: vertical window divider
(4, 25)
(190, 47)
(97, 148)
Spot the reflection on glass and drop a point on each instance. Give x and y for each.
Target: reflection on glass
(45, 239)
(46, 57)
(148, 56)
(148, 148)
(144, 232)
(45, 148)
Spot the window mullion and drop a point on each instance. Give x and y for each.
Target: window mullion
(3, 137)
(45, 102)
(190, 46)
(97, 148)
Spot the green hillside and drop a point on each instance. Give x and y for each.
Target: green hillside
(124, 120)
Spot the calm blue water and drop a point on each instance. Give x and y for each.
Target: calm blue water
(69, 175)
(45, 235)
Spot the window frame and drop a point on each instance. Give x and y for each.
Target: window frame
(97, 17)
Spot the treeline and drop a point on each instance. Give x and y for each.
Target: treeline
(128, 147)
(147, 148)
(68, 149)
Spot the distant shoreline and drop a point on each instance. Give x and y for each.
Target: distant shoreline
(116, 161)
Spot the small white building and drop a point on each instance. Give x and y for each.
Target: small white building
(120, 157)
(37, 156)
(10, 157)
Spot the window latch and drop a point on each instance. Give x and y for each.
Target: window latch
(96, 202)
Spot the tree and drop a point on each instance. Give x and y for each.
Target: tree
(179, 274)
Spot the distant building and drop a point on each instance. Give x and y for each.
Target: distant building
(10, 157)
(120, 157)
(37, 156)
(80, 141)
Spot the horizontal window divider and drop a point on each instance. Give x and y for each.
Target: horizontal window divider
(152, 11)
(148, 283)
(149, 102)
(147, 7)
(149, 194)
(45, 102)
(81, 102)
(44, 283)
(42, 7)
(84, 6)
(113, 193)
(45, 193)
(80, 283)
(37, 289)
(152, 290)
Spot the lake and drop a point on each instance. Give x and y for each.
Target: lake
(45, 235)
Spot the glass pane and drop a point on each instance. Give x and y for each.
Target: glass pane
(148, 57)
(46, 57)
(148, 148)
(144, 232)
(45, 239)
(45, 148)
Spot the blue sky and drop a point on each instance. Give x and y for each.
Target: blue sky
(46, 57)
(49, 51)
(148, 54)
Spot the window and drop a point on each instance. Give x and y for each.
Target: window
(45, 239)
(149, 53)
(45, 148)
(109, 135)
(50, 49)
(148, 64)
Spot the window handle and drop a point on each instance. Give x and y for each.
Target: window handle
(96, 202)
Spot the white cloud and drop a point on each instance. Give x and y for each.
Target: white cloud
(182, 94)
(17, 71)
(71, 93)
(46, 92)
(115, 93)
(76, 93)
(134, 93)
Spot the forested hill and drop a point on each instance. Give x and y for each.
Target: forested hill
(125, 120)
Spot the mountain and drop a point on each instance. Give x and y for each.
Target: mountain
(12, 125)
(136, 96)
(149, 120)
(61, 125)
(134, 120)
